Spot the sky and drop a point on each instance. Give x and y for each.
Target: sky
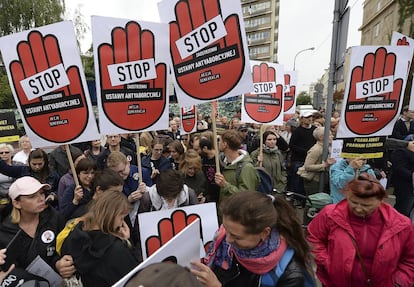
(302, 24)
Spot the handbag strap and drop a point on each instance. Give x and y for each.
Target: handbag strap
(364, 269)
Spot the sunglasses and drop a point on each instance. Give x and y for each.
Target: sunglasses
(4, 152)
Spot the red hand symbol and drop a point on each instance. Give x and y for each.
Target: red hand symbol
(403, 42)
(63, 115)
(128, 106)
(362, 116)
(265, 106)
(167, 229)
(208, 80)
(289, 99)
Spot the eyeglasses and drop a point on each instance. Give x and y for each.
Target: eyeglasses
(4, 152)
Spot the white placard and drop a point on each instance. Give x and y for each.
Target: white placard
(151, 223)
(182, 253)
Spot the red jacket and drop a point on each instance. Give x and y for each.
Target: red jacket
(329, 234)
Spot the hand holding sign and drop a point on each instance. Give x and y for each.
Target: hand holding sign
(44, 86)
(168, 228)
(264, 104)
(133, 87)
(374, 94)
(207, 54)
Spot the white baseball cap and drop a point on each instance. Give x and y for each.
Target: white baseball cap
(26, 185)
(306, 114)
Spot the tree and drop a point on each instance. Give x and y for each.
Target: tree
(406, 12)
(303, 99)
(19, 15)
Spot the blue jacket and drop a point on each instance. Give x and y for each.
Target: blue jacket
(131, 182)
(340, 174)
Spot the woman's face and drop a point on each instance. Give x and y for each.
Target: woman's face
(236, 235)
(191, 170)
(157, 151)
(174, 154)
(34, 203)
(119, 219)
(37, 164)
(86, 177)
(5, 154)
(362, 206)
(271, 141)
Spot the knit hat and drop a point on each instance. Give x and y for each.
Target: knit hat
(164, 274)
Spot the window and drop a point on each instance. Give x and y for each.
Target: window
(376, 30)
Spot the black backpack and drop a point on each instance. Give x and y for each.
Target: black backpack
(265, 185)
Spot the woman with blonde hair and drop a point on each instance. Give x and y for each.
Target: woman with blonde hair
(36, 225)
(194, 177)
(99, 244)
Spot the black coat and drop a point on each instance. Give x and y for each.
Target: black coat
(402, 172)
(44, 242)
(237, 276)
(400, 130)
(101, 259)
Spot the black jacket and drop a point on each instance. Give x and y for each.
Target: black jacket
(400, 130)
(100, 259)
(238, 276)
(44, 242)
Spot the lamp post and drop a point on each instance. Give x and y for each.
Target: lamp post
(301, 51)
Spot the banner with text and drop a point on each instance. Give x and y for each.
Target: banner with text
(131, 70)
(208, 49)
(8, 128)
(374, 90)
(264, 104)
(48, 84)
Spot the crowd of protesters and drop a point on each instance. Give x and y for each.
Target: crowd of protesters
(83, 222)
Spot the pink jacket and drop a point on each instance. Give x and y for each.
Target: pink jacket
(329, 235)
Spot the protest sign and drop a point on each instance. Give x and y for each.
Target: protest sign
(208, 48)
(157, 227)
(403, 40)
(48, 84)
(289, 105)
(374, 90)
(8, 128)
(181, 249)
(131, 68)
(188, 119)
(264, 104)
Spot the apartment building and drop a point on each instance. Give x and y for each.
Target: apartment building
(380, 19)
(261, 20)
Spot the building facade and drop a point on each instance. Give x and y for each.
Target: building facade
(261, 20)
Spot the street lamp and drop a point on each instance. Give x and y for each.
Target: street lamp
(301, 51)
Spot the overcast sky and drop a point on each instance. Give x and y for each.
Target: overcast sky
(303, 24)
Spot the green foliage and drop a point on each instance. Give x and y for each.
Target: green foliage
(226, 108)
(6, 97)
(406, 12)
(19, 15)
(303, 99)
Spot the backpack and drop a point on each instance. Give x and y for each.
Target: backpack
(265, 184)
(271, 278)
